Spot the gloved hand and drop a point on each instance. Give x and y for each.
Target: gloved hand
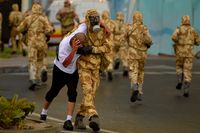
(148, 46)
(84, 50)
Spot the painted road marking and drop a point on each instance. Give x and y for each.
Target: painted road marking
(62, 121)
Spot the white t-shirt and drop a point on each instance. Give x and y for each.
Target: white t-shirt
(65, 49)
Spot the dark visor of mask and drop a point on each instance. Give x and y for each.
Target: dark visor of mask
(94, 20)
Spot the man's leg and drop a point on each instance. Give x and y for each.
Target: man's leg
(179, 72)
(187, 70)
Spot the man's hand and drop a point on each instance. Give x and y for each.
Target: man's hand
(75, 44)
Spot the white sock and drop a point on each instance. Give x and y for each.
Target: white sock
(69, 117)
(44, 111)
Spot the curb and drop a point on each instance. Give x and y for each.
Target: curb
(17, 69)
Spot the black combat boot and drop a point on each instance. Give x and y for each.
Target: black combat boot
(134, 92)
(186, 86)
(180, 81)
(110, 77)
(44, 76)
(94, 123)
(79, 124)
(117, 63)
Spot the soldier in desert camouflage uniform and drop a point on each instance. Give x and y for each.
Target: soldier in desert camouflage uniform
(1, 19)
(185, 37)
(110, 24)
(15, 19)
(139, 42)
(66, 16)
(88, 68)
(120, 42)
(38, 27)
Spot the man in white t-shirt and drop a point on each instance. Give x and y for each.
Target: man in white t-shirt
(65, 72)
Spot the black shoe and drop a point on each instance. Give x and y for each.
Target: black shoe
(33, 87)
(134, 96)
(94, 123)
(43, 117)
(24, 52)
(125, 73)
(44, 75)
(68, 125)
(179, 86)
(110, 77)
(186, 94)
(117, 65)
(79, 124)
(139, 97)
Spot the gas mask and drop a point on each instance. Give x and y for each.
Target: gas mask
(94, 22)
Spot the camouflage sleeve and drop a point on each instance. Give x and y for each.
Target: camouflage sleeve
(10, 18)
(175, 35)
(147, 37)
(23, 25)
(48, 26)
(58, 16)
(105, 48)
(196, 38)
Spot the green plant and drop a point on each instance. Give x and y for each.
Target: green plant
(13, 111)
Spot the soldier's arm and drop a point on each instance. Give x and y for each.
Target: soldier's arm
(105, 48)
(175, 35)
(10, 18)
(147, 37)
(23, 26)
(48, 26)
(196, 38)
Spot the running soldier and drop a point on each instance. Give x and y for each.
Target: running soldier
(184, 37)
(110, 56)
(139, 41)
(66, 16)
(120, 43)
(38, 27)
(15, 19)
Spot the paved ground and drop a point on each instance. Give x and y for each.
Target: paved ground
(163, 109)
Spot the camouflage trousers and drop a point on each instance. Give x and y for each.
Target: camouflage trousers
(136, 72)
(66, 30)
(14, 36)
(110, 57)
(184, 66)
(89, 81)
(36, 62)
(121, 53)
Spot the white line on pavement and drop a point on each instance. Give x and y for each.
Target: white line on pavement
(62, 121)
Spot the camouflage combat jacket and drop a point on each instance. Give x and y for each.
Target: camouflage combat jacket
(138, 40)
(185, 37)
(100, 47)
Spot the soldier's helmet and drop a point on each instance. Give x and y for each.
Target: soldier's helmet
(138, 17)
(120, 16)
(36, 8)
(67, 3)
(185, 20)
(105, 14)
(15, 7)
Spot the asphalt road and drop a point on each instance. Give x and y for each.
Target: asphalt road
(163, 109)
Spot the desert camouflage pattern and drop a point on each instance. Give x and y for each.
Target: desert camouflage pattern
(15, 18)
(185, 37)
(39, 27)
(66, 16)
(110, 24)
(1, 20)
(120, 41)
(89, 65)
(138, 38)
